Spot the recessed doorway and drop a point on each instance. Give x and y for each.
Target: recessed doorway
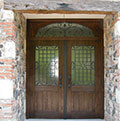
(65, 69)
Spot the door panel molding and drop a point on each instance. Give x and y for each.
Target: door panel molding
(64, 101)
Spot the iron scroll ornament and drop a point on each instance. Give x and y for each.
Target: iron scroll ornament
(64, 30)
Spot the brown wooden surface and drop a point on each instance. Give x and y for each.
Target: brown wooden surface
(43, 101)
(48, 101)
(94, 24)
(64, 12)
(65, 38)
(85, 101)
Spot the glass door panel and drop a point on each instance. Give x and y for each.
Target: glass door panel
(82, 62)
(46, 66)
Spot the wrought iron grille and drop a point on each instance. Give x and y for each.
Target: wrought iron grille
(64, 30)
(83, 65)
(46, 65)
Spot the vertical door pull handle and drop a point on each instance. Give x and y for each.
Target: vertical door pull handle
(60, 84)
(69, 81)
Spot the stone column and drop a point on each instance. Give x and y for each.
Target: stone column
(7, 64)
(112, 67)
(116, 58)
(12, 65)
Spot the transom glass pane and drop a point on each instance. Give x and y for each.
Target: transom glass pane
(64, 30)
(46, 65)
(83, 61)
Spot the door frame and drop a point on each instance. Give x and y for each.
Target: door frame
(62, 38)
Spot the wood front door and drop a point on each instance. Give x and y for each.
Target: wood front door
(84, 86)
(64, 74)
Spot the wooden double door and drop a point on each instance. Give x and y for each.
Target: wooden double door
(65, 78)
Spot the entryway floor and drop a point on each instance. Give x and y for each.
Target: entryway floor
(64, 120)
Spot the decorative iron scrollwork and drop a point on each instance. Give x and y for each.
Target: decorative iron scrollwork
(65, 30)
(83, 61)
(46, 67)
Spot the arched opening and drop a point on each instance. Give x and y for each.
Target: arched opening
(64, 30)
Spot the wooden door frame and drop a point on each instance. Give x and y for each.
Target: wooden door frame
(62, 38)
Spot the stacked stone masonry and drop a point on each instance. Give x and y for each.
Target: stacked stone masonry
(7, 62)
(20, 81)
(71, 5)
(111, 68)
(12, 66)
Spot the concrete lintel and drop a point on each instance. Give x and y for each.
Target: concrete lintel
(64, 16)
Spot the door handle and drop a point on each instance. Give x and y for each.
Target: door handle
(60, 84)
(69, 81)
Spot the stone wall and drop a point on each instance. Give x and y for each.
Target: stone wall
(20, 70)
(71, 5)
(7, 62)
(112, 67)
(12, 66)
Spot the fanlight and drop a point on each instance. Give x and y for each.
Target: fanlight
(65, 30)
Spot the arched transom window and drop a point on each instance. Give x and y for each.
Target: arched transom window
(64, 30)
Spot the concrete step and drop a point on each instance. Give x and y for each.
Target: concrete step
(64, 120)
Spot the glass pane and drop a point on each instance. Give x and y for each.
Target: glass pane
(83, 65)
(65, 30)
(46, 65)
